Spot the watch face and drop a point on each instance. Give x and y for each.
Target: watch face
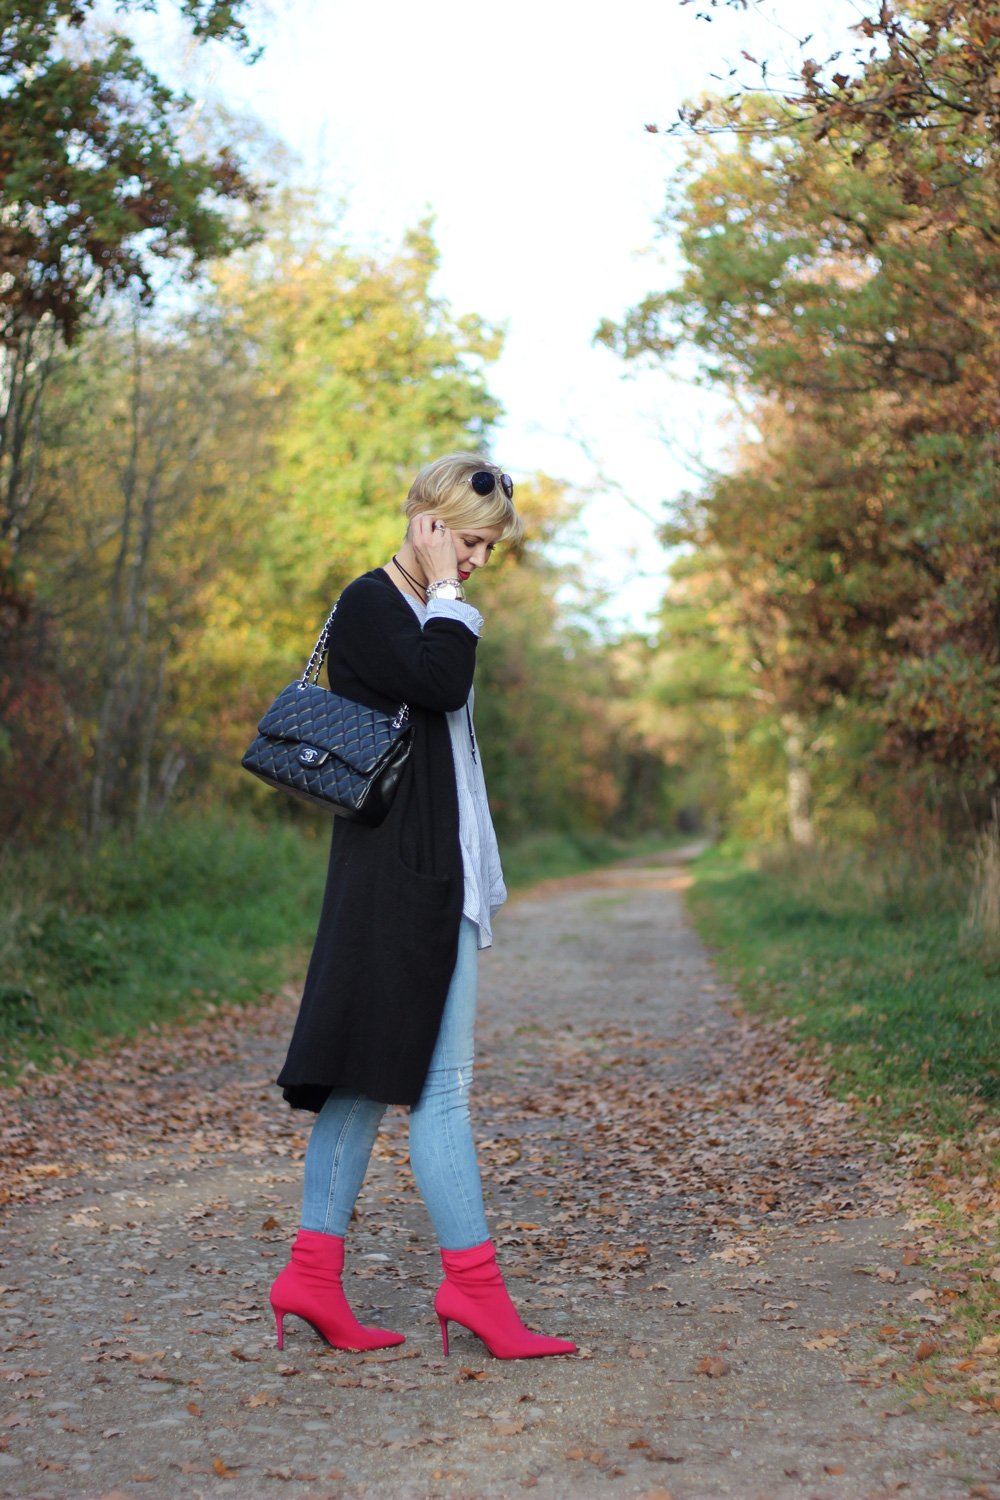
(445, 591)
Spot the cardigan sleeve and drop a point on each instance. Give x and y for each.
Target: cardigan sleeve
(380, 638)
(456, 609)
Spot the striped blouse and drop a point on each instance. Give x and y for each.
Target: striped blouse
(485, 891)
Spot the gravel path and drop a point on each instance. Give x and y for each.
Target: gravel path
(668, 1183)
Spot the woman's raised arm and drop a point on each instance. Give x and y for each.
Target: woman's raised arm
(379, 638)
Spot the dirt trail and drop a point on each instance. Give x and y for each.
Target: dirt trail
(668, 1184)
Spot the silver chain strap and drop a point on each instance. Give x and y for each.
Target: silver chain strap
(311, 673)
(315, 662)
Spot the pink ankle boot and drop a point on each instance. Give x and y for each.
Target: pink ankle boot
(473, 1294)
(309, 1287)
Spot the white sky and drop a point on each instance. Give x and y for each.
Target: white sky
(520, 127)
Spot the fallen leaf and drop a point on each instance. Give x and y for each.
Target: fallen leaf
(883, 1273)
(712, 1365)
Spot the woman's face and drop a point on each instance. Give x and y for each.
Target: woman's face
(473, 547)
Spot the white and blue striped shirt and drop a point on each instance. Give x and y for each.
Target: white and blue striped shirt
(485, 891)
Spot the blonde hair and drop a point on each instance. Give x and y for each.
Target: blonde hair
(445, 487)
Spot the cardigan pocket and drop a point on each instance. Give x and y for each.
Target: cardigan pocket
(424, 890)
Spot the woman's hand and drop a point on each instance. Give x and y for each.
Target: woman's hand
(433, 547)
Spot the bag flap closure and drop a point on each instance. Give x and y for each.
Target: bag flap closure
(314, 716)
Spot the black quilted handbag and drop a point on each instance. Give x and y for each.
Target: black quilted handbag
(329, 750)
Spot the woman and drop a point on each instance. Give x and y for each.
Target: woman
(389, 1003)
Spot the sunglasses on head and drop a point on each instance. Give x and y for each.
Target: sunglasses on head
(484, 482)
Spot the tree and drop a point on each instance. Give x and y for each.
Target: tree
(98, 184)
(146, 438)
(101, 187)
(842, 272)
(373, 375)
(915, 94)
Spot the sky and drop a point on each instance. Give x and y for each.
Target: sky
(520, 128)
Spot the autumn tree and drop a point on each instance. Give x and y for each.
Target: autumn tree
(842, 273)
(103, 185)
(690, 693)
(149, 433)
(98, 179)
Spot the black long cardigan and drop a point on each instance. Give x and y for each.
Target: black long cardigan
(388, 933)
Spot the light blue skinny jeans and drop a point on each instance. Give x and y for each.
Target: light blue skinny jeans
(442, 1150)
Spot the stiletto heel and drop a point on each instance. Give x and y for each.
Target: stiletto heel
(473, 1294)
(310, 1288)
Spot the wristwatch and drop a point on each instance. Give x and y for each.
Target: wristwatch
(445, 588)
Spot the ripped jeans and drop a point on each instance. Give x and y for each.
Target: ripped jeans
(442, 1151)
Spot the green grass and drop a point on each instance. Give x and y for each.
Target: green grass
(199, 911)
(869, 957)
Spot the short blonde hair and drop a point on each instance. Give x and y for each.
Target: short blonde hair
(445, 487)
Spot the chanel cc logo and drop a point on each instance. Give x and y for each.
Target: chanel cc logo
(310, 756)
